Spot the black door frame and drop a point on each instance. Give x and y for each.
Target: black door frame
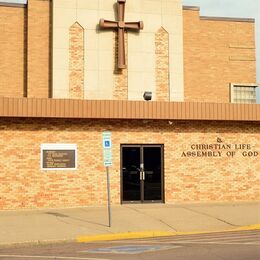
(142, 201)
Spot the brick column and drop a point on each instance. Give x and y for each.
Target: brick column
(76, 62)
(39, 32)
(120, 91)
(162, 65)
(13, 23)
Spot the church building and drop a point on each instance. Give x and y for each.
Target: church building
(149, 91)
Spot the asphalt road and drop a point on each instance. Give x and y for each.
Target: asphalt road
(240, 245)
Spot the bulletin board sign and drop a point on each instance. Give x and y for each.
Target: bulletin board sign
(58, 156)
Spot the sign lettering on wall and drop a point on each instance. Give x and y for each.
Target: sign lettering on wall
(220, 149)
(58, 157)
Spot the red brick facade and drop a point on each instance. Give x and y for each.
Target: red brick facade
(12, 55)
(204, 160)
(187, 178)
(25, 44)
(216, 53)
(39, 48)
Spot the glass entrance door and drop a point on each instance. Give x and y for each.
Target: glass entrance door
(152, 176)
(131, 159)
(142, 173)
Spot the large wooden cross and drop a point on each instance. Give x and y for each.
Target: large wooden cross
(121, 25)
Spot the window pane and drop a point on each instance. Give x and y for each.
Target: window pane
(244, 94)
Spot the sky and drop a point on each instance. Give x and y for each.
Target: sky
(234, 8)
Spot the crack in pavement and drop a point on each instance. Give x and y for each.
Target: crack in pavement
(143, 213)
(57, 214)
(208, 215)
(78, 225)
(176, 230)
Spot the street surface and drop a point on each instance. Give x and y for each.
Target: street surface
(238, 245)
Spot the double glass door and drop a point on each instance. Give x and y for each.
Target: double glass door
(142, 173)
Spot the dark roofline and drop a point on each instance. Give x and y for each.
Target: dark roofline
(229, 19)
(12, 4)
(192, 8)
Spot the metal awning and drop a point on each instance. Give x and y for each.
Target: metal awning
(119, 109)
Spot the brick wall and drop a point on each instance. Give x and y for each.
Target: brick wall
(24, 185)
(12, 51)
(162, 65)
(76, 61)
(39, 46)
(120, 89)
(216, 53)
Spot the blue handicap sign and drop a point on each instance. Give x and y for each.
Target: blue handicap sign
(107, 148)
(107, 144)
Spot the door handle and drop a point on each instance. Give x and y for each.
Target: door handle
(142, 175)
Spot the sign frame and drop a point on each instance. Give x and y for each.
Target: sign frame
(59, 146)
(107, 148)
(107, 160)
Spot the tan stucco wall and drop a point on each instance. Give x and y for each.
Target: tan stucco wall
(99, 80)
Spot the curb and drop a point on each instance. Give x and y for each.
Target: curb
(250, 227)
(36, 243)
(121, 236)
(127, 235)
(151, 234)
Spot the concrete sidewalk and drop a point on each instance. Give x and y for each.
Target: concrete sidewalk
(39, 226)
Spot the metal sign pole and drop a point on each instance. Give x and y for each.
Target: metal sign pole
(107, 154)
(108, 197)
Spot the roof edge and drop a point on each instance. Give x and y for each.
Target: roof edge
(12, 4)
(218, 18)
(229, 19)
(192, 8)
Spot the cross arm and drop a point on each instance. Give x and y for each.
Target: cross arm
(108, 24)
(121, 10)
(134, 25)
